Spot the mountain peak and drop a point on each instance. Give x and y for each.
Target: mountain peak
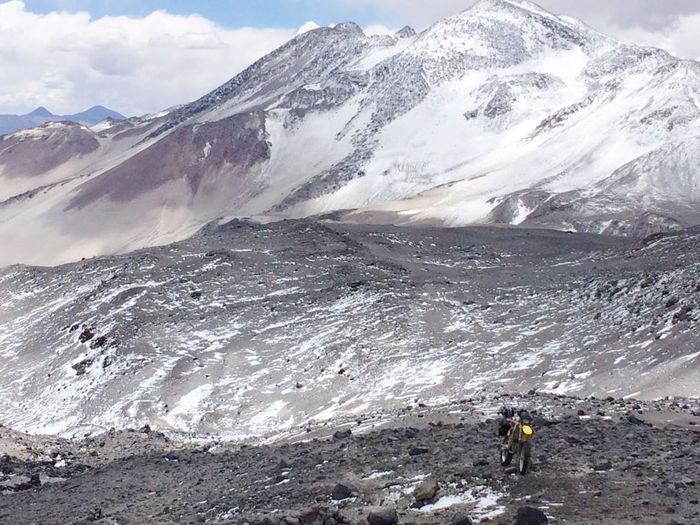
(523, 7)
(509, 4)
(495, 33)
(41, 111)
(94, 115)
(350, 27)
(405, 32)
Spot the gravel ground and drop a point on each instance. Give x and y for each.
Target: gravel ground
(594, 461)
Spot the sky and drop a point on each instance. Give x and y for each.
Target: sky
(140, 56)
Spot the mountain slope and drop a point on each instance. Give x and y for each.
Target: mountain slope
(504, 113)
(248, 330)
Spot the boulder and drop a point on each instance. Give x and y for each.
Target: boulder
(33, 483)
(635, 420)
(461, 520)
(417, 451)
(86, 335)
(602, 465)
(343, 491)
(342, 434)
(314, 516)
(673, 301)
(688, 482)
(530, 516)
(265, 520)
(426, 492)
(82, 367)
(284, 464)
(411, 432)
(383, 516)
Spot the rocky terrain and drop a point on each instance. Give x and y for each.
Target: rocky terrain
(254, 330)
(503, 113)
(594, 461)
(271, 306)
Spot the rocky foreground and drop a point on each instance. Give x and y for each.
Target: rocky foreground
(595, 461)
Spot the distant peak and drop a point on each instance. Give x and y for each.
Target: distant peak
(523, 5)
(488, 4)
(94, 115)
(350, 27)
(405, 32)
(41, 111)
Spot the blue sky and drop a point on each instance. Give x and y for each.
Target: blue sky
(602, 14)
(229, 13)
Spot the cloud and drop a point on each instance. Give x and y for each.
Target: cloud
(672, 25)
(379, 29)
(680, 38)
(647, 14)
(68, 61)
(308, 26)
(418, 13)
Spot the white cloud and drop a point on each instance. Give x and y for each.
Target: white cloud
(308, 26)
(379, 29)
(67, 61)
(680, 38)
(419, 13)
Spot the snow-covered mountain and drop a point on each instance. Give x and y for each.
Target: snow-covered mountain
(41, 115)
(504, 113)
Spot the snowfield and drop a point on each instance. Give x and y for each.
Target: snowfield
(250, 331)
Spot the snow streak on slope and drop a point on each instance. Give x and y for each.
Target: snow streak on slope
(503, 113)
(246, 330)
